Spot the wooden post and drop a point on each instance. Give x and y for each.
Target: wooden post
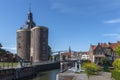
(3, 65)
(8, 64)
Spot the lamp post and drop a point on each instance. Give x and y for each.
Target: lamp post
(13, 57)
(78, 63)
(60, 56)
(53, 58)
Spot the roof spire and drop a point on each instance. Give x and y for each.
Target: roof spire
(69, 49)
(30, 7)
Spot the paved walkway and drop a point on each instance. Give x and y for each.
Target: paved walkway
(103, 76)
(83, 76)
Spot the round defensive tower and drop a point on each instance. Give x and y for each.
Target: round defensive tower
(23, 44)
(39, 44)
(24, 38)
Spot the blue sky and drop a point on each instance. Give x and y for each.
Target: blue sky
(75, 23)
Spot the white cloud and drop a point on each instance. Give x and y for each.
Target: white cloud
(12, 49)
(112, 21)
(114, 35)
(84, 7)
(71, 7)
(63, 7)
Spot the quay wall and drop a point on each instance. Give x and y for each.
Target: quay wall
(45, 67)
(24, 72)
(15, 73)
(31, 71)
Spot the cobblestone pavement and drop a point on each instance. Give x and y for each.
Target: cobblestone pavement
(103, 76)
(83, 76)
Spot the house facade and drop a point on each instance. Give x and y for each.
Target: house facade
(85, 56)
(103, 51)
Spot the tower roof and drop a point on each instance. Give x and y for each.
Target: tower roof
(29, 23)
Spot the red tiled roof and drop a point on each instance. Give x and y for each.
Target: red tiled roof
(66, 54)
(114, 45)
(104, 45)
(93, 47)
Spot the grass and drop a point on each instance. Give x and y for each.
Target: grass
(6, 64)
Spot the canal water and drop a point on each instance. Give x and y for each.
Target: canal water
(47, 75)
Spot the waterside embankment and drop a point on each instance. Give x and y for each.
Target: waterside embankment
(28, 71)
(68, 75)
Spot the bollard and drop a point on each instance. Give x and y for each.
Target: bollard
(57, 77)
(61, 67)
(3, 65)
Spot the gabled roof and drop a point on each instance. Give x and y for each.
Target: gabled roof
(103, 45)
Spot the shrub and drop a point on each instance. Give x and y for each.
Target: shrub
(116, 74)
(117, 50)
(116, 71)
(90, 68)
(116, 64)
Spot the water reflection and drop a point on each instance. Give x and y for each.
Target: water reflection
(47, 75)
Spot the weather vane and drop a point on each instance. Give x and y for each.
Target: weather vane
(30, 6)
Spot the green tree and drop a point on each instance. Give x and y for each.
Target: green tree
(49, 52)
(49, 49)
(117, 50)
(2, 51)
(116, 65)
(116, 71)
(0, 45)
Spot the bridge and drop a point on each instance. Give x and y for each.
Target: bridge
(63, 51)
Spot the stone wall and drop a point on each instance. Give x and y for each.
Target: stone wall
(23, 44)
